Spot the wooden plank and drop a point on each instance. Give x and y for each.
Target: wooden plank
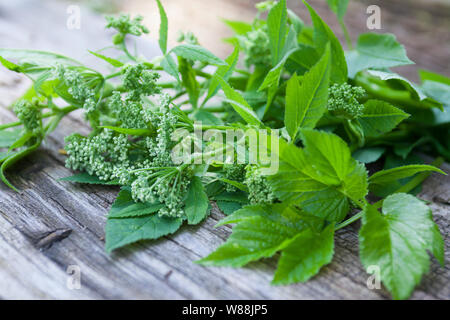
(160, 269)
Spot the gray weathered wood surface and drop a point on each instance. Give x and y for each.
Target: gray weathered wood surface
(47, 208)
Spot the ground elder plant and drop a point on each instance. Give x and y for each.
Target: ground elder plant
(328, 115)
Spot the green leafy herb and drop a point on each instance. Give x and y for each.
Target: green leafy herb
(397, 241)
(304, 119)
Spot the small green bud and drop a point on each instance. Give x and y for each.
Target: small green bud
(118, 38)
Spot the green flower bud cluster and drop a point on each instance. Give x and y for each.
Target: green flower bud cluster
(128, 112)
(187, 37)
(343, 100)
(259, 190)
(102, 155)
(77, 87)
(164, 121)
(30, 115)
(256, 47)
(167, 186)
(139, 81)
(125, 25)
(234, 172)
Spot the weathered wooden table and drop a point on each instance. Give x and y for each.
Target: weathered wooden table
(51, 226)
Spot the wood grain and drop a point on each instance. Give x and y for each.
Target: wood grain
(36, 246)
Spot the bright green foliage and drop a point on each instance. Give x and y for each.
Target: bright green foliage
(415, 91)
(304, 256)
(323, 35)
(277, 29)
(322, 178)
(397, 241)
(382, 178)
(260, 232)
(379, 117)
(123, 231)
(376, 51)
(306, 103)
(126, 207)
(196, 202)
(163, 28)
(324, 163)
(321, 129)
(344, 101)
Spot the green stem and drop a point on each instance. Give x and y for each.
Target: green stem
(348, 39)
(349, 220)
(113, 75)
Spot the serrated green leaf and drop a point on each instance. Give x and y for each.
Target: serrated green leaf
(397, 241)
(277, 30)
(306, 103)
(305, 255)
(163, 29)
(256, 237)
(272, 79)
(122, 232)
(114, 62)
(125, 207)
(386, 176)
(380, 117)
(244, 213)
(197, 53)
(323, 35)
(197, 202)
(238, 102)
(88, 179)
(378, 51)
(328, 204)
(322, 176)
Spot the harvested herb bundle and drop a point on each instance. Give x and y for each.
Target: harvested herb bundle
(305, 118)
